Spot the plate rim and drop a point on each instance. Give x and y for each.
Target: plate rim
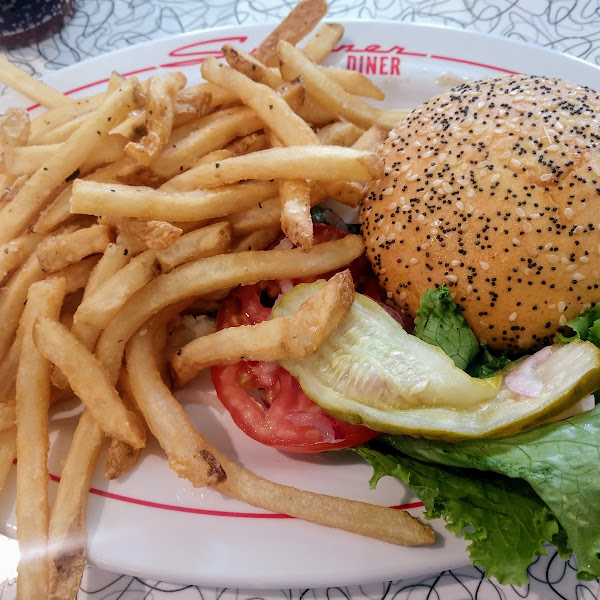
(56, 74)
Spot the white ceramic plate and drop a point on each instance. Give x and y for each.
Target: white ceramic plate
(152, 524)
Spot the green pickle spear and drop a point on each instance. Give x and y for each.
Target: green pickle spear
(371, 371)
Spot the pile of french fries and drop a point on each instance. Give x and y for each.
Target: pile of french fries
(122, 211)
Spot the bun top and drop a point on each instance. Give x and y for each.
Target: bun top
(493, 189)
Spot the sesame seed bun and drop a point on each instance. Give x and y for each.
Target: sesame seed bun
(493, 189)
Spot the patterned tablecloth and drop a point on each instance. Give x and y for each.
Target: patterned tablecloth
(100, 26)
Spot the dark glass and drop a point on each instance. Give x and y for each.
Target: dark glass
(25, 22)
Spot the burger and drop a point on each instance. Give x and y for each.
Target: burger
(489, 209)
(493, 190)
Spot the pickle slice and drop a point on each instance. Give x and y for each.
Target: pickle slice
(371, 371)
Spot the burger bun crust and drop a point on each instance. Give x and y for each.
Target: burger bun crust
(493, 189)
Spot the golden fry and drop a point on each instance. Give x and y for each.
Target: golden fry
(303, 18)
(89, 380)
(160, 114)
(320, 45)
(58, 251)
(266, 103)
(293, 162)
(67, 531)
(32, 402)
(36, 192)
(199, 243)
(116, 200)
(8, 452)
(296, 337)
(296, 222)
(29, 86)
(14, 128)
(332, 95)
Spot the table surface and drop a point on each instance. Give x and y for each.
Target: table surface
(100, 26)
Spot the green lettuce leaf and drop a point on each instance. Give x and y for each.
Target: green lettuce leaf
(504, 519)
(440, 323)
(586, 326)
(487, 364)
(559, 460)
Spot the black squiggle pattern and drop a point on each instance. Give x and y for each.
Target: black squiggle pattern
(100, 26)
(550, 579)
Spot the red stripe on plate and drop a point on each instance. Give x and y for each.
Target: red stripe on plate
(473, 63)
(204, 511)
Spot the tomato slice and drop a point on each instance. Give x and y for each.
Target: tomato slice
(264, 400)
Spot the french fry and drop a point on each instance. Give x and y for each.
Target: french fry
(191, 103)
(245, 145)
(354, 82)
(295, 337)
(371, 139)
(37, 191)
(121, 457)
(89, 380)
(199, 243)
(256, 240)
(186, 450)
(303, 18)
(151, 233)
(339, 133)
(56, 117)
(58, 212)
(11, 186)
(102, 302)
(14, 128)
(218, 130)
(12, 299)
(29, 86)
(160, 115)
(191, 456)
(60, 133)
(8, 452)
(77, 274)
(115, 257)
(296, 221)
(67, 530)
(26, 160)
(212, 274)
(249, 66)
(266, 215)
(266, 103)
(15, 252)
(380, 522)
(135, 201)
(293, 162)
(58, 251)
(320, 45)
(8, 411)
(32, 402)
(330, 94)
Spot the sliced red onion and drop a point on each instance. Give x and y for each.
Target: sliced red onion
(284, 244)
(523, 380)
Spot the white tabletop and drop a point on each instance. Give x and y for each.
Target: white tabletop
(100, 26)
